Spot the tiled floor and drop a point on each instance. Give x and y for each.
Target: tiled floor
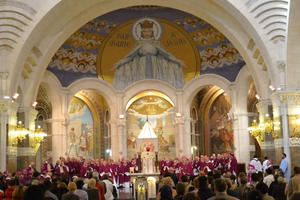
(125, 193)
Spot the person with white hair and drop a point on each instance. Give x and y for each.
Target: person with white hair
(109, 188)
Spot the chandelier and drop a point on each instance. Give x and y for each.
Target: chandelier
(19, 134)
(258, 130)
(295, 127)
(37, 136)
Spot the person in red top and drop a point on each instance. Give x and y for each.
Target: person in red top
(8, 192)
(98, 185)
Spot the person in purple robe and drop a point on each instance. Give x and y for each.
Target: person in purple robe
(96, 165)
(201, 164)
(166, 164)
(61, 168)
(196, 165)
(126, 165)
(134, 165)
(220, 163)
(47, 167)
(84, 170)
(121, 171)
(208, 165)
(77, 166)
(161, 167)
(110, 163)
(233, 164)
(31, 168)
(101, 168)
(72, 167)
(179, 169)
(213, 160)
(21, 178)
(114, 172)
(187, 167)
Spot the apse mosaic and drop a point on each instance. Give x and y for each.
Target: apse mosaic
(132, 44)
(160, 115)
(80, 133)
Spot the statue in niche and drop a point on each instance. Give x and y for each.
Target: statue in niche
(148, 60)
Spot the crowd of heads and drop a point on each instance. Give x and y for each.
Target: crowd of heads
(209, 177)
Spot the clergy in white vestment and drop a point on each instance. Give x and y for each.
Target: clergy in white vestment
(256, 163)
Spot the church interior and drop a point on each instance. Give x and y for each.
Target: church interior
(84, 79)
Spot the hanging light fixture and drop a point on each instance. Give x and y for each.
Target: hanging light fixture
(269, 126)
(19, 134)
(255, 130)
(37, 136)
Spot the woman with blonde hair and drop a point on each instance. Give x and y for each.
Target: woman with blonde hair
(166, 181)
(70, 195)
(92, 190)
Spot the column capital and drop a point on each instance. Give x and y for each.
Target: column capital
(179, 120)
(262, 106)
(28, 109)
(232, 86)
(281, 64)
(179, 92)
(292, 97)
(7, 106)
(4, 75)
(121, 122)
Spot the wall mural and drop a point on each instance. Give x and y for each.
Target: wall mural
(145, 42)
(80, 133)
(220, 124)
(160, 114)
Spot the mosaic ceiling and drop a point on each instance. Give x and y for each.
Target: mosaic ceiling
(118, 47)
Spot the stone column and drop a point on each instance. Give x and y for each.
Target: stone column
(3, 131)
(179, 136)
(59, 137)
(282, 74)
(11, 164)
(241, 137)
(60, 126)
(121, 134)
(278, 141)
(188, 137)
(114, 140)
(7, 118)
(3, 83)
(239, 117)
(121, 125)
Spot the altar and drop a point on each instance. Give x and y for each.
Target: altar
(144, 185)
(144, 182)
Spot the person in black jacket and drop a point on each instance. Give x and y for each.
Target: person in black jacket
(203, 191)
(277, 188)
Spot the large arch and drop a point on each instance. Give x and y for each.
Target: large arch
(104, 89)
(68, 22)
(194, 86)
(144, 85)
